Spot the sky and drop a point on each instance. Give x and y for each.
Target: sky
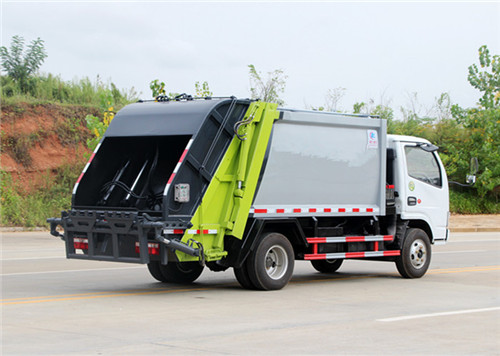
(383, 51)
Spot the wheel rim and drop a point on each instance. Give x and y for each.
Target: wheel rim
(276, 261)
(418, 254)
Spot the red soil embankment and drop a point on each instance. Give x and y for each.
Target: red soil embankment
(39, 138)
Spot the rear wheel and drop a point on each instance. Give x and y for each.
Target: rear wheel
(243, 277)
(175, 272)
(270, 266)
(415, 255)
(154, 269)
(326, 266)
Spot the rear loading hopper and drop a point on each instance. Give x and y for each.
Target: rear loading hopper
(153, 164)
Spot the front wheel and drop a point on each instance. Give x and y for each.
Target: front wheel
(415, 255)
(175, 272)
(270, 266)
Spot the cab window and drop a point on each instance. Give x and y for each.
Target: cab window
(423, 166)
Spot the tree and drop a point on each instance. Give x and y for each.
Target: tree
(482, 123)
(202, 90)
(20, 64)
(269, 89)
(332, 99)
(157, 88)
(487, 80)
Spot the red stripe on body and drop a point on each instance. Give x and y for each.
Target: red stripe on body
(354, 254)
(354, 238)
(369, 210)
(171, 178)
(321, 256)
(80, 178)
(355, 210)
(315, 240)
(183, 156)
(312, 210)
(260, 211)
(327, 210)
(341, 210)
(392, 253)
(388, 237)
(297, 210)
(280, 210)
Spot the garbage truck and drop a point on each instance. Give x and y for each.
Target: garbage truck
(221, 183)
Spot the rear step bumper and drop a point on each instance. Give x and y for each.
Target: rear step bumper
(117, 236)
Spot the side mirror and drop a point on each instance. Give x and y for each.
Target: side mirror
(474, 166)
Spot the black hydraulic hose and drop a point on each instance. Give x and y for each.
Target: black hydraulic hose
(460, 184)
(219, 132)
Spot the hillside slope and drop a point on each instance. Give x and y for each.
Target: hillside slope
(37, 139)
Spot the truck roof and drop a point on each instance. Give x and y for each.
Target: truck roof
(402, 138)
(335, 113)
(151, 118)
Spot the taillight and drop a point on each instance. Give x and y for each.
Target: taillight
(389, 192)
(80, 243)
(153, 248)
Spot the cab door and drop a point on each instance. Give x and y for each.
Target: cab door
(425, 188)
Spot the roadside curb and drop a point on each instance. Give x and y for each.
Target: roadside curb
(475, 229)
(22, 229)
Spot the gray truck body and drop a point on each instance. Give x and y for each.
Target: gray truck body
(322, 160)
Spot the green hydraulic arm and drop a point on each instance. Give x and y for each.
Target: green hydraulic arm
(226, 204)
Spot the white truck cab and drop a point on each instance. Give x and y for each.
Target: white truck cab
(421, 184)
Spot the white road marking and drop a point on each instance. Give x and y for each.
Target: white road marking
(69, 271)
(32, 258)
(457, 312)
(465, 251)
(32, 250)
(483, 240)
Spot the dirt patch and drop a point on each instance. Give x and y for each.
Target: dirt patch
(38, 139)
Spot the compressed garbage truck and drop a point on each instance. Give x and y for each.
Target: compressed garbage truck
(223, 183)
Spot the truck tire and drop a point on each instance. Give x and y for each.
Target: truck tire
(175, 272)
(154, 269)
(326, 266)
(270, 266)
(243, 277)
(415, 255)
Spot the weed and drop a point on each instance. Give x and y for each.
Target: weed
(29, 210)
(19, 146)
(71, 132)
(467, 202)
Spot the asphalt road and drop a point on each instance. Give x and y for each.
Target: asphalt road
(55, 306)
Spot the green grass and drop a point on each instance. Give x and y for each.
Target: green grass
(52, 89)
(469, 202)
(20, 208)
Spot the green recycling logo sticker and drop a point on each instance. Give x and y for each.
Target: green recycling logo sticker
(411, 185)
